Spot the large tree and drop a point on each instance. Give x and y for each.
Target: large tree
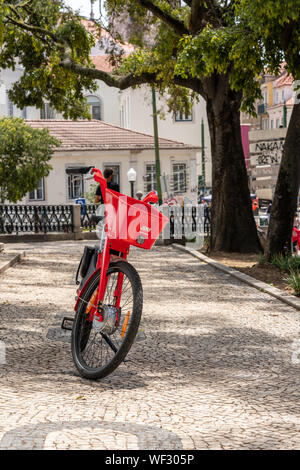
(25, 154)
(276, 23)
(189, 45)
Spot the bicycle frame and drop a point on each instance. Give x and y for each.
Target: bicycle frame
(122, 246)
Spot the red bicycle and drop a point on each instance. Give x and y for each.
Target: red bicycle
(110, 295)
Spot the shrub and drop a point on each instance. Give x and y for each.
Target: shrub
(294, 281)
(286, 263)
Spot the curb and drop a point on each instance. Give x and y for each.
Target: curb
(259, 285)
(8, 264)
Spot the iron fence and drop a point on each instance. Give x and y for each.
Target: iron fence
(184, 220)
(87, 212)
(16, 218)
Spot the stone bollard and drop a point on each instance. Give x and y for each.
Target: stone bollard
(77, 230)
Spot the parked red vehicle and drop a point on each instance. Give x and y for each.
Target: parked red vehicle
(296, 239)
(110, 296)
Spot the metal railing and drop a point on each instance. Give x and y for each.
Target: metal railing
(87, 212)
(183, 220)
(16, 218)
(187, 220)
(34, 219)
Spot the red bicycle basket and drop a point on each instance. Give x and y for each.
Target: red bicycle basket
(131, 221)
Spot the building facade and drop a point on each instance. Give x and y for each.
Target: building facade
(95, 143)
(275, 109)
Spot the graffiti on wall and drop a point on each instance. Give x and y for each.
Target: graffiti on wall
(269, 152)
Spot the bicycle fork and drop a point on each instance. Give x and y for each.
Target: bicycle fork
(103, 264)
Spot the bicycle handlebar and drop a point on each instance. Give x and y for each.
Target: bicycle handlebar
(98, 176)
(78, 170)
(101, 180)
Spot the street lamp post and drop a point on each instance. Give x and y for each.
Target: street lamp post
(131, 175)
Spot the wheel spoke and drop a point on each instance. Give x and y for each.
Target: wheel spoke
(98, 348)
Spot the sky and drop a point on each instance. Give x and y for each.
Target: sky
(84, 6)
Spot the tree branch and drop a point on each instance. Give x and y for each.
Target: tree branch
(34, 29)
(129, 80)
(110, 80)
(177, 25)
(204, 12)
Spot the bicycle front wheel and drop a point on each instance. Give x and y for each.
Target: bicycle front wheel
(98, 350)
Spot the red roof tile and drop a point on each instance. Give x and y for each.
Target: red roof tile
(284, 80)
(101, 62)
(100, 33)
(98, 135)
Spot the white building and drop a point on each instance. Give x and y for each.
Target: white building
(102, 145)
(136, 114)
(104, 103)
(131, 109)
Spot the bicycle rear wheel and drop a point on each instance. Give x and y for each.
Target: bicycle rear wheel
(97, 353)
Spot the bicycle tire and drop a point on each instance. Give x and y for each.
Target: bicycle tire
(79, 341)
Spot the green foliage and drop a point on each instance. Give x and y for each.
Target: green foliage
(38, 36)
(294, 281)
(24, 156)
(262, 259)
(220, 51)
(90, 195)
(229, 49)
(286, 263)
(276, 24)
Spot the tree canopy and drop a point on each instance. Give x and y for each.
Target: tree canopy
(38, 36)
(276, 24)
(24, 157)
(177, 44)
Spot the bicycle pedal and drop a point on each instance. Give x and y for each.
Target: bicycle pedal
(67, 323)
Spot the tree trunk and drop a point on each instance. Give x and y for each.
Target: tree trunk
(233, 226)
(286, 193)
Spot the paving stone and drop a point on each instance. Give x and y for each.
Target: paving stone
(213, 368)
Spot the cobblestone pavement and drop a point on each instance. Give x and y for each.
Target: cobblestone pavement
(215, 370)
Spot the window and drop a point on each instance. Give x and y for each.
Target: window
(282, 96)
(150, 178)
(272, 124)
(182, 116)
(24, 113)
(47, 112)
(179, 178)
(116, 174)
(277, 123)
(38, 193)
(95, 107)
(75, 186)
